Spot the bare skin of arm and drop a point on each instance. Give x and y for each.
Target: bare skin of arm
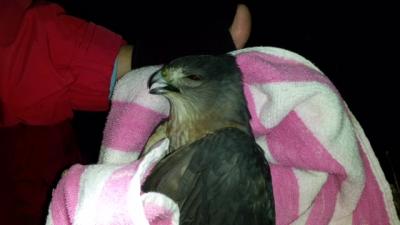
(124, 60)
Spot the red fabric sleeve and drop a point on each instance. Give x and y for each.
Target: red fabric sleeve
(56, 64)
(87, 52)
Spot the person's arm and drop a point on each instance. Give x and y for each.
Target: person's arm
(124, 58)
(86, 54)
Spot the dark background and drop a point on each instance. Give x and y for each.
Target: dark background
(354, 45)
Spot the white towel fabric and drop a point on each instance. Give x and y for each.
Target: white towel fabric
(323, 168)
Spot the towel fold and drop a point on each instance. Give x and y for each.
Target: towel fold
(323, 168)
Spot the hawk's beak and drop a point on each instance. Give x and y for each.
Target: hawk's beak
(158, 85)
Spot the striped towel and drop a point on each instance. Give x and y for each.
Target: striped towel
(323, 168)
(111, 194)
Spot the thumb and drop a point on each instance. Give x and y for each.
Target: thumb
(241, 26)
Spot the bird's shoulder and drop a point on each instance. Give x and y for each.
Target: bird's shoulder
(224, 144)
(231, 175)
(221, 178)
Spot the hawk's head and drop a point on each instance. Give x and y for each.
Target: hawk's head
(204, 90)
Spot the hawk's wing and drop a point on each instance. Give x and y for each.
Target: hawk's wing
(222, 178)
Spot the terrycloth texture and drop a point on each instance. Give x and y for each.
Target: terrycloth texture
(111, 194)
(323, 168)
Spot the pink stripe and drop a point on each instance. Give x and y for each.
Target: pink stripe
(324, 203)
(65, 196)
(58, 207)
(259, 68)
(292, 145)
(371, 207)
(286, 194)
(129, 125)
(113, 198)
(255, 122)
(158, 215)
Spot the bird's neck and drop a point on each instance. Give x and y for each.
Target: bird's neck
(184, 131)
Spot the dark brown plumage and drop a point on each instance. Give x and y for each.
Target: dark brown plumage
(215, 170)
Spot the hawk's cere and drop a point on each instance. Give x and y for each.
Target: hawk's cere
(215, 170)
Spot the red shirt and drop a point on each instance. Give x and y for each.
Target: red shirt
(55, 64)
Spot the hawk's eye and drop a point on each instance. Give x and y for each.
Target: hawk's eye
(194, 77)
